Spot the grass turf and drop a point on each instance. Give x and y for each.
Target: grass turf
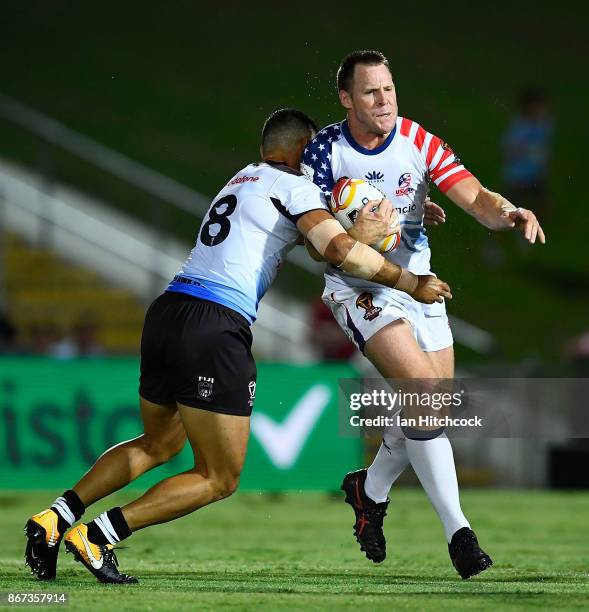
(297, 552)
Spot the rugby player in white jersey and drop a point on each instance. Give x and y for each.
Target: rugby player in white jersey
(198, 376)
(401, 337)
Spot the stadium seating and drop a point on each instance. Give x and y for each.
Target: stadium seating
(45, 290)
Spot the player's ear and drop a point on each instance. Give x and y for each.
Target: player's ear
(345, 99)
(261, 152)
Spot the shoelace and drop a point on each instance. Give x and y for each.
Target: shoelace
(109, 556)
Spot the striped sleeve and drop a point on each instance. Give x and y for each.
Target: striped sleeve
(444, 167)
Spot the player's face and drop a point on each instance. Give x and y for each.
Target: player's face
(373, 100)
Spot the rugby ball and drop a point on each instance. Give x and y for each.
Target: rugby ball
(348, 196)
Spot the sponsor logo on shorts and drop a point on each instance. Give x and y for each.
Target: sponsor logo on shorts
(364, 301)
(252, 389)
(205, 387)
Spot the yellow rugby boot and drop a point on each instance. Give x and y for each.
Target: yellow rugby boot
(43, 540)
(99, 559)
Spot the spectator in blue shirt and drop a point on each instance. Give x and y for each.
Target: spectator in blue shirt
(527, 146)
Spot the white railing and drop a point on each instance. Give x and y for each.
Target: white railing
(127, 253)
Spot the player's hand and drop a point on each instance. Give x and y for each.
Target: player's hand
(375, 221)
(433, 214)
(525, 221)
(431, 289)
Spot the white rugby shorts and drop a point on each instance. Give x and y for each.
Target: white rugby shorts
(363, 312)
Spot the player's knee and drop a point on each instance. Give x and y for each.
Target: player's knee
(175, 444)
(225, 485)
(162, 448)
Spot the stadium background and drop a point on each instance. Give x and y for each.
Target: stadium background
(183, 89)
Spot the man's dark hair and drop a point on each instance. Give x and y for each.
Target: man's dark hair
(285, 128)
(345, 72)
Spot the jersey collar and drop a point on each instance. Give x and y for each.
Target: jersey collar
(348, 136)
(282, 166)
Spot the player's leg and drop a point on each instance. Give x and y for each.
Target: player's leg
(394, 349)
(442, 361)
(209, 369)
(433, 461)
(123, 462)
(361, 314)
(219, 443)
(395, 353)
(392, 457)
(466, 555)
(163, 437)
(388, 464)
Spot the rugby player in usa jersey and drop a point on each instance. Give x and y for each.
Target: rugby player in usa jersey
(402, 338)
(198, 376)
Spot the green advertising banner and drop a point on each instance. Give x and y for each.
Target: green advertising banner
(57, 417)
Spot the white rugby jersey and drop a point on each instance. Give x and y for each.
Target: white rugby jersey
(401, 168)
(248, 229)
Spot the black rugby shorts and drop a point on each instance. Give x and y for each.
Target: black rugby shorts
(197, 353)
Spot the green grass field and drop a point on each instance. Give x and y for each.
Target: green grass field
(297, 552)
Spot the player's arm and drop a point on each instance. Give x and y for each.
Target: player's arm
(490, 209)
(493, 210)
(375, 221)
(334, 244)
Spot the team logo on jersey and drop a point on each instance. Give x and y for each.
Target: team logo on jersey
(405, 187)
(447, 147)
(205, 387)
(252, 390)
(364, 301)
(374, 177)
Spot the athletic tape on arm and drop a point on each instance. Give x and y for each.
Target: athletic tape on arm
(362, 261)
(407, 282)
(323, 233)
(485, 197)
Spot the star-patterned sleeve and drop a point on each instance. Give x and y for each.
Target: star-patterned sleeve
(316, 163)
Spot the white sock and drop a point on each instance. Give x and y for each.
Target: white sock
(388, 465)
(433, 462)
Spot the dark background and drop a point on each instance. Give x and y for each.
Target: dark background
(184, 88)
